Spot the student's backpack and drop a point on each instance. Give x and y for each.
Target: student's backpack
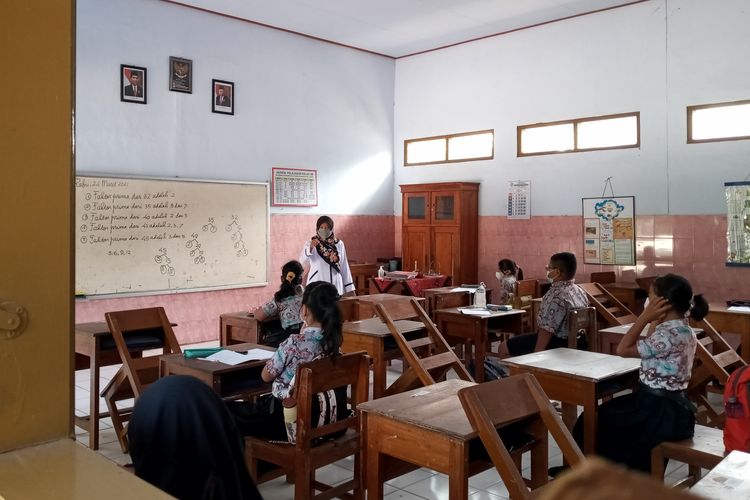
(737, 410)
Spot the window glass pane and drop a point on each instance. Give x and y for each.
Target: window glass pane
(608, 133)
(444, 207)
(721, 122)
(415, 207)
(470, 146)
(425, 151)
(547, 138)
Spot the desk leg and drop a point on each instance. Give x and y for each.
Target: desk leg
(590, 421)
(374, 465)
(458, 478)
(378, 373)
(94, 396)
(480, 352)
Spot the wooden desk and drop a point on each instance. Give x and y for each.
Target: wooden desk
(730, 480)
(413, 287)
(227, 381)
(370, 335)
(610, 337)
(725, 321)
(630, 294)
(365, 304)
(431, 293)
(241, 327)
(426, 427)
(578, 378)
(454, 324)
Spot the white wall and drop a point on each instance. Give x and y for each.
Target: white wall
(299, 103)
(656, 57)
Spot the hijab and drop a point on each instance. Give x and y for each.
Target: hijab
(326, 247)
(183, 440)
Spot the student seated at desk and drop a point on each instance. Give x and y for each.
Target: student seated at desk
(184, 442)
(286, 303)
(552, 328)
(508, 274)
(321, 336)
(631, 425)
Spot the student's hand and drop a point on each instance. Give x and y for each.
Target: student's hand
(314, 241)
(656, 310)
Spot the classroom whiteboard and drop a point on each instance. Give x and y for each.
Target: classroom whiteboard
(140, 235)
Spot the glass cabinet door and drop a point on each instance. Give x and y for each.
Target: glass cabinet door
(444, 208)
(416, 209)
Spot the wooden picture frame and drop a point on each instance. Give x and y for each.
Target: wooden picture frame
(222, 97)
(180, 75)
(133, 85)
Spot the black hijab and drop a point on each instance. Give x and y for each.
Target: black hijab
(184, 441)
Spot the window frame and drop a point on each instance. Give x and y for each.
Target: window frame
(695, 107)
(575, 122)
(447, 138)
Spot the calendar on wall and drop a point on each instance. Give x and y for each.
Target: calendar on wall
(519, 199)
(294, 187)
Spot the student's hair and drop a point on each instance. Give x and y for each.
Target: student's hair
(509, 265)
(324, 219)
(566, 263)
(678, 292)
(291, 278)
(322, 299)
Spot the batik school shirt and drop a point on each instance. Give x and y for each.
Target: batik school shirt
(507, 288)
(298, 348)
(667, 356)
(556, 303)
(287, 309)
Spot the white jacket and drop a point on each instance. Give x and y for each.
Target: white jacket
(321, 271)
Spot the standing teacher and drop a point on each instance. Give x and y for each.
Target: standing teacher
(327, 258)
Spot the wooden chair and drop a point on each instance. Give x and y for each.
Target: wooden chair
(313, 450)
(519, 403)
(715, 360)
(610, 310)
(645, 282)
(361, 274)
(604, 277)
(703, 451)
(427, 359)
(582, 323)
(135, 375)
(526, 290)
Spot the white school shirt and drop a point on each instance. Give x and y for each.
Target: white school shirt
(321, 271)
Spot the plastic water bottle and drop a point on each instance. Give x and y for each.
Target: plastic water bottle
(480, 296)
(381, 272)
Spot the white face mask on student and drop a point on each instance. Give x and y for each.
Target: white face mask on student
(324, 233)
(499, 275)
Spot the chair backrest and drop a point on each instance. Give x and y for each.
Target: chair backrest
(645, 282)
(361, 274)
(582, 323)
(604, 277)
(611, 310)
(398, 308)
(349, 308)
(347, 370)
(429, 358)
(130, 327)
(527, 288)
(522, 400)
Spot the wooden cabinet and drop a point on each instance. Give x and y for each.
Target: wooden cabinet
(440, 229)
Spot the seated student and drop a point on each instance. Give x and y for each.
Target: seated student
(286, 303)
(509, 274)
(183, 441)
(552, 328)
(321, 336)
(630, 426)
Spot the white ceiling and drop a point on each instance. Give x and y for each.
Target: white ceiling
(397, 28)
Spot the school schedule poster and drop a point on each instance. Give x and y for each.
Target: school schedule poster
(738, 223)
(294, 187)
(609, 230)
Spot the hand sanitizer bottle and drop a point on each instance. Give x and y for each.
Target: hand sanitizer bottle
(381, 272)
(480, 296)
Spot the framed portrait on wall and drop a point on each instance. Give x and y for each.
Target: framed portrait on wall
(223, 97)
(132, 84)
(180, 75)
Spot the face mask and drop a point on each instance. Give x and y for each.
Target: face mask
(549, 278)
(498, 275)
(324, 233)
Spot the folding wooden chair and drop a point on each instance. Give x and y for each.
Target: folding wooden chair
(610, 310)
(313, 449)
(604, 277)
(582, 326)
(427, 359)
(137, 326)
(520, 405)
(715, 360)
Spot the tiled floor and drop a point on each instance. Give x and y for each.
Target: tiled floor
(419, 484)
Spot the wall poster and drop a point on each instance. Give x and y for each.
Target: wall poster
(738, 223)
(294, 187)
(609, 230)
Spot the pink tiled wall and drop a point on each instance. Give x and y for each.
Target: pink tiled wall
(693, 246)
(367, 237)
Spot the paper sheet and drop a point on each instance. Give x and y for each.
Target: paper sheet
(460, 289)
(235, 358)
(475, 312)
(742, 309)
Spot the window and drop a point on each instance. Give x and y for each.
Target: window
(726, 121)
(582, 134)
(467, 146)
